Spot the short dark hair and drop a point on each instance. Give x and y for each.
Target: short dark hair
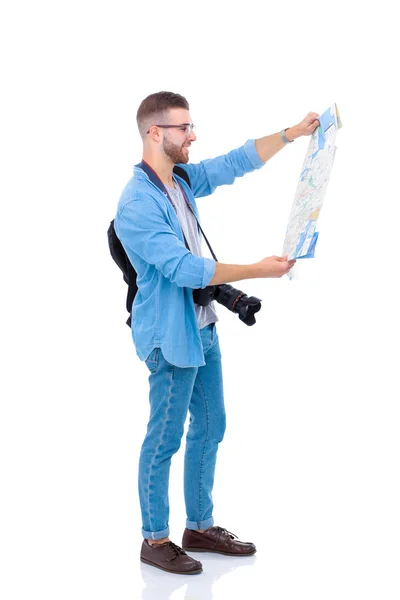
(156, 105)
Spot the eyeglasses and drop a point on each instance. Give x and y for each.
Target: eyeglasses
(184, 127)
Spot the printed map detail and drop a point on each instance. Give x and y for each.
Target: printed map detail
(301, 234)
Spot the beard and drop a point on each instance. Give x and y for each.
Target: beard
(176, 153)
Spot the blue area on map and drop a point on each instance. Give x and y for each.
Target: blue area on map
(311, 249)
(326, 120)
(304, 173)
(321, 142)
(300, 244)
(305, 239)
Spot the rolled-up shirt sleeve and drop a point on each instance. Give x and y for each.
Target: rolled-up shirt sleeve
(143, 229)
(209, 271)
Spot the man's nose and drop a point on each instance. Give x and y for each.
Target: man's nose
(192, 137)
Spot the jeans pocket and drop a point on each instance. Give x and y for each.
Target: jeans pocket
(209, 338)
(152, 360)
(213, 332)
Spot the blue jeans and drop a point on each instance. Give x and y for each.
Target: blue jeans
(174, 391)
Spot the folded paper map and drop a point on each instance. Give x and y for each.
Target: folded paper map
(301, 234)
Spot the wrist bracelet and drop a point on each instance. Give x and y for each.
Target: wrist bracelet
(284, 138)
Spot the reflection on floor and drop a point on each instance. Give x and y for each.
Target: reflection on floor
(159, 585)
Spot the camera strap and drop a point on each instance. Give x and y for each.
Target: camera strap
(154, 178)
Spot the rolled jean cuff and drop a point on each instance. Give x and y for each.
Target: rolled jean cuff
(200, 524)
(155, 535)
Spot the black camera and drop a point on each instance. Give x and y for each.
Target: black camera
(233, 299)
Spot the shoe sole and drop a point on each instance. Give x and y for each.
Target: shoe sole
(148, 562)
(217, 551)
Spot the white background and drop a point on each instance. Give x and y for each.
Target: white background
(309, 468)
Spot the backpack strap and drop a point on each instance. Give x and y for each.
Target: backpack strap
(182, 173)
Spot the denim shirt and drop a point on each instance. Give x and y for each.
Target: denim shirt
(163, 311)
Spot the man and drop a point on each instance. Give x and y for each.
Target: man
(176, 337)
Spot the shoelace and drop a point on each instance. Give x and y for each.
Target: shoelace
(222, 530)
(175, 550)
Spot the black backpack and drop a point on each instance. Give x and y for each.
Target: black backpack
(120, 257)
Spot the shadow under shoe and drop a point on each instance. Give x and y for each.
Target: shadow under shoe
(169, 557)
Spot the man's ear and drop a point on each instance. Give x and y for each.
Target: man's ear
(155, 133)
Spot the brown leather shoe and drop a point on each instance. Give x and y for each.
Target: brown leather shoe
(216, 539)
(169, 557)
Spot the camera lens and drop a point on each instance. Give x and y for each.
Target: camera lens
(233, 299)
(238, 302)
